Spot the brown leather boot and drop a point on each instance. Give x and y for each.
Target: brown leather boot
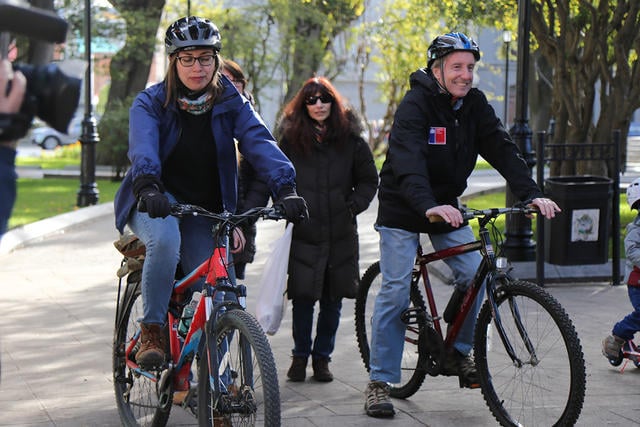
(321, 370)
(298, 370)
(151, 352)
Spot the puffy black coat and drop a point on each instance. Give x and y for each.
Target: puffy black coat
(337, 184)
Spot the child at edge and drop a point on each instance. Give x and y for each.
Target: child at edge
(627, 327)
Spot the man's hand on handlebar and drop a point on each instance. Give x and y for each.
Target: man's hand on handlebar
(445, 213)
(547, 207)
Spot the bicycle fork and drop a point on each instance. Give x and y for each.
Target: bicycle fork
(515, 313)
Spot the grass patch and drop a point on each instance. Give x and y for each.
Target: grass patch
(43, 198)
(59, 158)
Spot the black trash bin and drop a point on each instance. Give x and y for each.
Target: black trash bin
(580, 233)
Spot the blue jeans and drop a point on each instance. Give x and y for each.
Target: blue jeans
(397, 257)
(168, 241)
(628, 326)
(8, 177)
(326, 328)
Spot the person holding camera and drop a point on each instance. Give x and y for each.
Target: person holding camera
(13, 126)
(182, 134)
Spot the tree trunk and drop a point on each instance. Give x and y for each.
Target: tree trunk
(129, 71)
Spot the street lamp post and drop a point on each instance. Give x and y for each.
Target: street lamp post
(518, 243)
(506, 37)
(88, 192)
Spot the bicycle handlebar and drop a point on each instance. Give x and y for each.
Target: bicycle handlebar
(468, 213)
(271, 212)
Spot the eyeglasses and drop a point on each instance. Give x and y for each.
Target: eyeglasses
(325, 99)
(188, 61)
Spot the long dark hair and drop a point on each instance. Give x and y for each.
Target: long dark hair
(173, 86)
(298, 128)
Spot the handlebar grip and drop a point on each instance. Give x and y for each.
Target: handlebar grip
(435, 218)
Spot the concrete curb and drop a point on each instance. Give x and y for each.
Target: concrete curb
(21, 236)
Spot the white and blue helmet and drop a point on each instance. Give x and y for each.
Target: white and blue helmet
(451, 42)
(192, 33)
(633, 192)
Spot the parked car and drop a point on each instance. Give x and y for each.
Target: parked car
(49, 138)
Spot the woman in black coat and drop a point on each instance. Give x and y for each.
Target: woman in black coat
(336, 175)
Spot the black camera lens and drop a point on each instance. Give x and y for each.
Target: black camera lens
(52, 94)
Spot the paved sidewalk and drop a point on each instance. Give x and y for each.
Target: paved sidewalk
(58, 296)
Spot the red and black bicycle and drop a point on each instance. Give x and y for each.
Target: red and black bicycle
(526, 349)
(233, 380)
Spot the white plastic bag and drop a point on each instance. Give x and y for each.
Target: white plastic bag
(272, 300)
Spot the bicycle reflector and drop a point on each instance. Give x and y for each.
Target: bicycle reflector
(502, 263)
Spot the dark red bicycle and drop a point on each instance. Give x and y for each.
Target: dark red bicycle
(526, 349)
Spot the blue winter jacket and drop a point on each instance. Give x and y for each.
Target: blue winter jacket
(155, 130)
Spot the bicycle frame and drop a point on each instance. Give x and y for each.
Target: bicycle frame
(534, 375)
(486, 272)
(236, 379)
(214, 269)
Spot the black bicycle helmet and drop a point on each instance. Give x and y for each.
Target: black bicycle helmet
(192, 32)
(451, 42)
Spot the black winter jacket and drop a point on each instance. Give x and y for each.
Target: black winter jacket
(337, 184)
(433, 150)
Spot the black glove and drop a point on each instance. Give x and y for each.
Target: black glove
(294, 206)
(151, 198)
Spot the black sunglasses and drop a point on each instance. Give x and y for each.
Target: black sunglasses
(325, 99)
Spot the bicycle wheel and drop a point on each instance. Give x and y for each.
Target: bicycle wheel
(137, 396)
(548, 387)
(412, 375)
(243, 389)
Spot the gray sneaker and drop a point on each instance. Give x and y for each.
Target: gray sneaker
(378, 403)
(611, 347)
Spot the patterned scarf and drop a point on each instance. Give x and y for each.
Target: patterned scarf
(319, 130)
(197, 106)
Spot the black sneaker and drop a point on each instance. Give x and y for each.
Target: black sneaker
(377, 403)
(464, 367)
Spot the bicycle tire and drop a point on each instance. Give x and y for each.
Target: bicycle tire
(545, 391)
(250, 395)
(137, 396)
(412, 373)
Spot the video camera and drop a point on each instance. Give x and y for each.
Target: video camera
(53, 90)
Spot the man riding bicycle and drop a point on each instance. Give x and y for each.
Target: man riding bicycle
(439, 129)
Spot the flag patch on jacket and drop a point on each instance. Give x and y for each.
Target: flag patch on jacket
(438, 135)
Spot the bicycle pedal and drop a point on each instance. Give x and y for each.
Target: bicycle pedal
(465, 384)
(183, 398)
(414, 316)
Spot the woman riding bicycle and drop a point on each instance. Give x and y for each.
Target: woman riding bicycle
(439, 129)
(182, 135)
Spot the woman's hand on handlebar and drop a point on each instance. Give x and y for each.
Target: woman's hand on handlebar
(446, 213)
(547, 207)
